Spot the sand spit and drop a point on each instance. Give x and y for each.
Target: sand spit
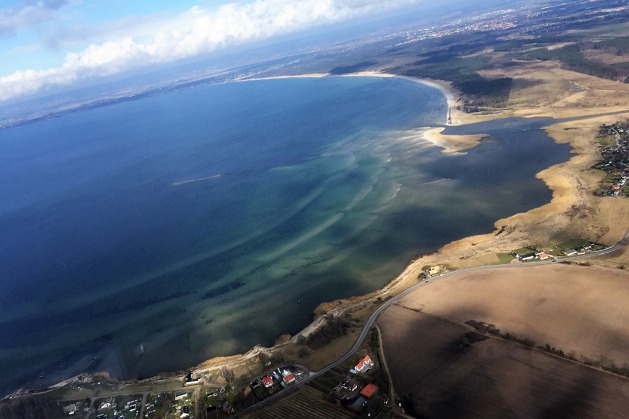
(452, 144)
(296, 76)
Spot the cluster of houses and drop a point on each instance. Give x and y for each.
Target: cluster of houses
(579, 250)
(75, 407)
(356, 390)
(531, 256)
(616, 188)
(274, 381)
(283, 377)
(182, 409)
(526, 257)
(223, 405)
(616, 158)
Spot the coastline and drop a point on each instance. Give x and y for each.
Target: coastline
(565, 187)
(566, 191)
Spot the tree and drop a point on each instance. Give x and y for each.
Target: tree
(228, 375)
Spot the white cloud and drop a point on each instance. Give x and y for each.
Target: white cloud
(194, 32)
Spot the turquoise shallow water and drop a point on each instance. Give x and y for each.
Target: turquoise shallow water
(163, 231)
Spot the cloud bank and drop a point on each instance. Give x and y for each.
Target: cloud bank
(196, 31)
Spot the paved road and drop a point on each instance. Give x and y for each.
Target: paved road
(374, 316)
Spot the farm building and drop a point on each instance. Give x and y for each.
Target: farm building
(267, 381)
(369, 390)
(364, 365)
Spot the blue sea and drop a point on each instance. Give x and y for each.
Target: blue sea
(152, 234)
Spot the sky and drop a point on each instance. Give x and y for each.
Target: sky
(61, 42)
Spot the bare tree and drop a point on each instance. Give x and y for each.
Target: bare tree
(228, 375)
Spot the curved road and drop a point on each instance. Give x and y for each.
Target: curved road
(374, 316)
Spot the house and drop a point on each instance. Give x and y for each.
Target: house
(70, 409)
(290, 378)
(369, 390)
(542, 255)
(528, 256)
(434, 270)
(358, 405)
(569, 252)
(180, 395)
(364, 365)
(107, 404)
(267, 381)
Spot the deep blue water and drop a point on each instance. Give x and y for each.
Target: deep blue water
(183, 226)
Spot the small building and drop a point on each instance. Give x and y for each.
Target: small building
(369, 390)
(542, 255)
(528, 256)
(358, 405)
(107, 404)
(434, 270)
(228, 408)
(180, 395)
(364, 365)
(267, 381)
(570, 252)
(290, 378)
(70, 409)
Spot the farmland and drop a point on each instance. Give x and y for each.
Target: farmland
(443, 368)
(573, 308)
(499, 379)
(306, 402)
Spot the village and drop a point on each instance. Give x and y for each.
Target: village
(548, 252)
(351, 391)
(614, 141)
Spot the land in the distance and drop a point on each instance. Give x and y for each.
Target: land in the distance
(494, 67)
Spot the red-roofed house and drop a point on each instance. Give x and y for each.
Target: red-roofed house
(267, 381)
(364, 364)
(369, 390)
(290, 378)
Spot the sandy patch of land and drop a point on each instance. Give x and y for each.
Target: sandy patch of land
(452, 144)
(290, 76)
(545, 89)
(580, 309)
